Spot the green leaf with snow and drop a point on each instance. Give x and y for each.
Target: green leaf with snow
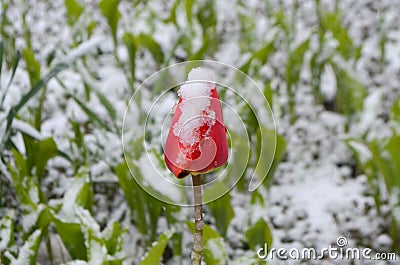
(72, 237)
(112, 236)
(260, 55)
(84, 197)
(97, 252)
(155, 253)
(134, 197)
(246, 260)
(7, 231)
(148, 42)
(258, 234)
(74, 11)
(332, 21)
(28, 253)
(33, 66)
(110, 11)
(293, 68)
(38, 153)
(214, 246)
(130, 43)
(350, 92)
(240, 158)
(18, 176)
(91, 115)
(221, 208)
(271, 149)
(395, 115)
(207, 15)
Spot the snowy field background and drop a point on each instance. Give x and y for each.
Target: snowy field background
(329, 69)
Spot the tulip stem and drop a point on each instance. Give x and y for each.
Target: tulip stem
(198, 221)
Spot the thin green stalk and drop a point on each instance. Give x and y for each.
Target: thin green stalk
(198, 221)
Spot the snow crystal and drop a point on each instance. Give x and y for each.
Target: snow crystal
(195, 95)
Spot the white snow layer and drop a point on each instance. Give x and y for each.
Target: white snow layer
(195, 105)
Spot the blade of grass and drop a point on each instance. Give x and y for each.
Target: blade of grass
(92, 116)
(33, 91)
(1, 57)
(17, 57)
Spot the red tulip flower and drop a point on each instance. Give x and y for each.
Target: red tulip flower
(196, 141)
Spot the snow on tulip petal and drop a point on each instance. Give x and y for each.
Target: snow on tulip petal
(196, 141)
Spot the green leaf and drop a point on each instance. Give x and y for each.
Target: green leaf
(295, 62)
(1, 55)
(82, 189)
(91, 115)
(393, 147)
(7, 231)
(293, 68)
(208, 232)
(154, 255)
(248, 260)
(267, 152)
(366, 163)
(214, 252)
(241, 153)
(172, 14)
(16, 59)
(395, 115)
(109, 9)
(332, 21)
(214, 246)
(350, 93)
(263, 53)
(33, 66)
(258, 234)
(129, 40)
(72, 237)
(147, 41)
(28, 252)
(38, 154)
(74, 11)
(42, 82)
(189, 10)
(207, 16)
(19, 177)
(133, 196)
(112, 236)
(221, 208)
(144, 208)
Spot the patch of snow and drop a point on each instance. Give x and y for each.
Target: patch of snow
(27, 252)
(364, 154)
(372, 106)
(196, 99)
(328, 85)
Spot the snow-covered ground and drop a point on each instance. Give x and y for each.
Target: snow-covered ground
(316, 195)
